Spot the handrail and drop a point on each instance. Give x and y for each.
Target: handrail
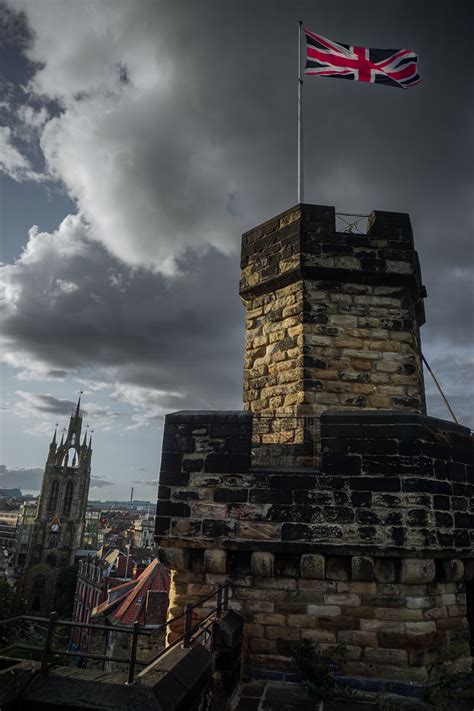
(191, 632)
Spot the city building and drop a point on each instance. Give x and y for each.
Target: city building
(92, 528)
(9, 494)
(144, 531)
(24, 530)
(58, 529)
(143, 600)
(96, 575)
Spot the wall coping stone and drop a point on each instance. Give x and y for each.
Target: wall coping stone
(327, 417)
(340, 417)
(186, 416)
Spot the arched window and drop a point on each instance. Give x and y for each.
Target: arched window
(68, 498)
(36, 605)
(39, 583)
(53, 540)
(51, 560)
(53, 496)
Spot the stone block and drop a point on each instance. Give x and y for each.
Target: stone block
(349, 599)
(263, 564)
(469, 569)
(362, 568)
(337, 568)
(324, 610)
(397, 657)
(290, 634)
(357, 638)
(305, 621)
(319, 636)
(215, 561)
(174, 558)
(258, 531)
(419, 602)
(423, 627)
(417, 570)
(312, 566)
(271, 618)
(398, 613)
(450, 570)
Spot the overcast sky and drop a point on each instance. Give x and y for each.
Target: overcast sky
(139, 139)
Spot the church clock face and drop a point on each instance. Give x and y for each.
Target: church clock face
(55, 527)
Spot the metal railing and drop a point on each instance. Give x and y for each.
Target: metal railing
(190, 634)
(354, 224)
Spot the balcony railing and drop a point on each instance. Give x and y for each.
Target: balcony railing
(192, 632)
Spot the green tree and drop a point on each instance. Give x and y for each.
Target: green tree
(65, 589)
(11, 603)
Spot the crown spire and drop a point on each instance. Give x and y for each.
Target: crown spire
(78, 406)
(53, 441)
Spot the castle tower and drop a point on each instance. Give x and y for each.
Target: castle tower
(59, 526)
(332, 322)
(336, 509)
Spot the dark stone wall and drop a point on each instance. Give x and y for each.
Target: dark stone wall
(388, 483)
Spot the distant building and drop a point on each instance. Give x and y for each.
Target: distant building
(144, 531)
(91, 532)
(7, 539)
(10, 518)
(145, 600)
(108, 568)
(10, 494)
(120, 505)
(58, 529)
(24, 530)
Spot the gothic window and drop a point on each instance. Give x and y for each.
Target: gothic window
(39, 582)
(68, 498)
(53, 496)
(53, 540)
(51, 560)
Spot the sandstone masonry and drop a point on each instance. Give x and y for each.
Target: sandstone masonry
(338, 511)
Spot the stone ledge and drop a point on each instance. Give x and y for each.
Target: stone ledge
(384, 417)
(208, 416)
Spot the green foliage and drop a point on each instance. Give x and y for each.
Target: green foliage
(66, 587)
(316, 666)
(449, 687)
(11, 603)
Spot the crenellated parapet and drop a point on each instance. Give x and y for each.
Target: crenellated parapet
(335, 508)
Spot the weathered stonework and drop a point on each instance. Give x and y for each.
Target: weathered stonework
(332, 322)
(337, 510)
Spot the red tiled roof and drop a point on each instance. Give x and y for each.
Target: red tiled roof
(127, 602)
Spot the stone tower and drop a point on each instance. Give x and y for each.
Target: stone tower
(331, 323)
(59, 526)
(338, 511)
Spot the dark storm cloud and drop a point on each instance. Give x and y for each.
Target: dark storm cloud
(168, 176)
(182, 336)
(49, 404)
(30, 479)
(26, 479)
(98, 482)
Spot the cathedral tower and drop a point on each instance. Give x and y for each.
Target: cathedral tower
(59, 526)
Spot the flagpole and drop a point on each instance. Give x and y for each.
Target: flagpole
(300, 120)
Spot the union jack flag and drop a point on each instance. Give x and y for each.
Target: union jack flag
(326, 58)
